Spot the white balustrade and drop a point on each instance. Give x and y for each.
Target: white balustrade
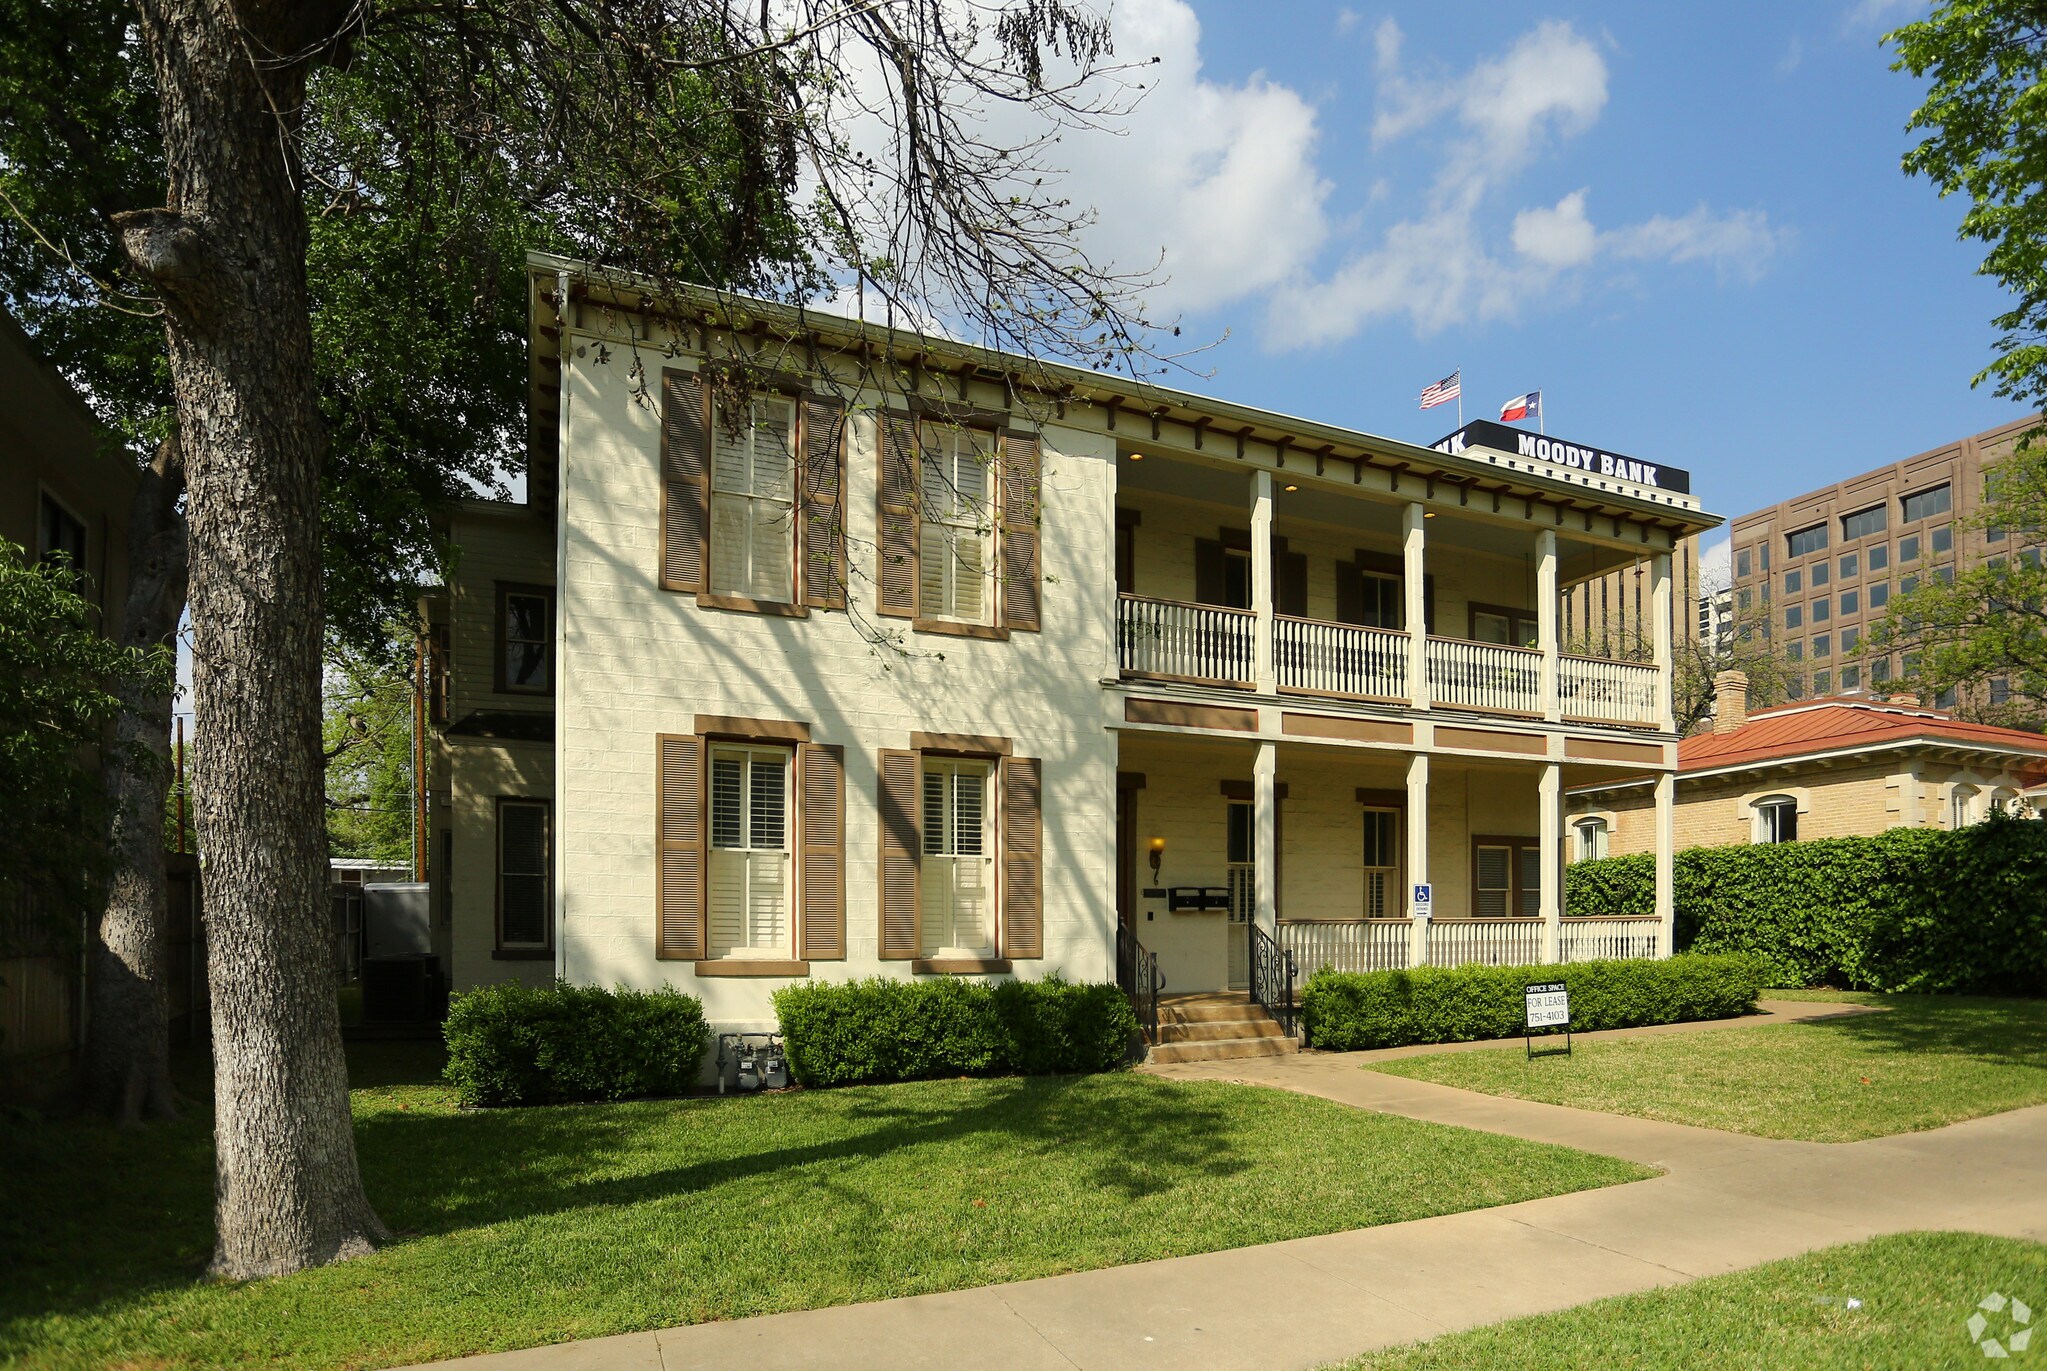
(1587, 940)
(1340, 659)
(1485, 942)
(1611, 692)
(1485, 676)
(1346, 944)
(1188, 642)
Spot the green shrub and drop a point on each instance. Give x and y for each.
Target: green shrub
(1348, 1011)
(888, 1029)
(515, 1044)
(1907, 909)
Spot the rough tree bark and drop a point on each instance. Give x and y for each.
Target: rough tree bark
(126, 1071)
(228, 257)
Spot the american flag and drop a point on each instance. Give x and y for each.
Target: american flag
(1443, 391)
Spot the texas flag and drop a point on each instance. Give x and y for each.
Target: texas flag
(1521, 407)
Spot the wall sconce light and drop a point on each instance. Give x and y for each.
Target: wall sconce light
(1158, 854)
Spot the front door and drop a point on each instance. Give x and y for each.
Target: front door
(1243, 878)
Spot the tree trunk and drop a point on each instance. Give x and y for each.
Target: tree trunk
(127, 1065)
(228, 257)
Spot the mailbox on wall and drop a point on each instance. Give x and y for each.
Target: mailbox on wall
(1198, 899)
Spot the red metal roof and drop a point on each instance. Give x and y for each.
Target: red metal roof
(1812, 727)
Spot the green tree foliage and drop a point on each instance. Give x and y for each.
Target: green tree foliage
(368, 739)
(414, 266)
(57, 681)
(1961, 910)
(1984, 121)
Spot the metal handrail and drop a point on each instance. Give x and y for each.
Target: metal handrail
(1137, 971)
(1272, 978)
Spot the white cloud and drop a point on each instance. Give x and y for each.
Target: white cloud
(1347, 21)
(1865, 16)
(1793, 58)
(1437, 267)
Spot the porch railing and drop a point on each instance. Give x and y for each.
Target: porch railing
(1272, 979)
(1187, 642)
(1611, 692)
(1137, 971)
(1346, 944)
(1339, 659)
(1485, 676)
(1585, 940)
(1486, 942)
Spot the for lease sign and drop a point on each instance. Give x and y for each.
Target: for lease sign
(1549, 1005)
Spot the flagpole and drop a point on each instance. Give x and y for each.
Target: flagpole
(1542, 417)
(1460, 395)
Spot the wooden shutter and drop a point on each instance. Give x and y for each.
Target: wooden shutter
(1289, 582)
(1208, 571)
(1023, 852)
(821, 825)
(900, 850)
(685, 482)
(1429, 602)
(896, 528)
(679, 799)
(1020, 535)
(822, 516)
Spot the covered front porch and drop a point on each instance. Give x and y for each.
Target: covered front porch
(1249, 865)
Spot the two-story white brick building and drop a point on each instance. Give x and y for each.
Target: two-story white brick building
(822, 650)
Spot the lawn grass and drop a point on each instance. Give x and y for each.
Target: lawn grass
(530, 1226)
(1915, 1292)
(1924, 1062)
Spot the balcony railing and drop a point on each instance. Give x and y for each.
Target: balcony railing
(1212, 645)
(1340, 659)
(1611, 692)
(1179, 641)
(1485, 676)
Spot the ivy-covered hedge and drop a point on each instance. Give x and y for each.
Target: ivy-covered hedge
(1348, 1011)
(900, 1030)
(1909, 909)
(516, 1044)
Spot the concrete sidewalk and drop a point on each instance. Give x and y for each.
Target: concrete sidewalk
(1726, 1201)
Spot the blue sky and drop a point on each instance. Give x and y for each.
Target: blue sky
(1692, 236)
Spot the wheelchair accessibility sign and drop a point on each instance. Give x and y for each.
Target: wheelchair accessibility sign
(1424, 898)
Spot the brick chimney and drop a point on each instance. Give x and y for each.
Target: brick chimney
(1730, 701)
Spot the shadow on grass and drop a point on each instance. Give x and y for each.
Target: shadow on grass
(447, 1171)
(94, 1218)
(2005, 1032)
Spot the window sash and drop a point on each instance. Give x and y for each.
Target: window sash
(522, 861)
(1384, 601)
(1240, 834)
(748, 905)
(1778, 820)
(957, 875)
(526, 636)
(753, 503)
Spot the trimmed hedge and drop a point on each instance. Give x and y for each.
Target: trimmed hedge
(515, 1044)
(899, 1030)
(1348, 1011)
(1962, 911)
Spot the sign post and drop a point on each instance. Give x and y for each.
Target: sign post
(1549, 1006)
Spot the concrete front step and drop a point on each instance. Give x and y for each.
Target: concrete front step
(1221, 1009)
(1211, 1030)
(1222, 1049)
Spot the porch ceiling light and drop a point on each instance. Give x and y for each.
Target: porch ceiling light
(1158, 854)
(1428, 514)
(1291, 486)
(1136, 456)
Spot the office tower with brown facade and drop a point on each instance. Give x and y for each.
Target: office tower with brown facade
(1827, 563)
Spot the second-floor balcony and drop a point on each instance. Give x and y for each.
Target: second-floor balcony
(1213, 645)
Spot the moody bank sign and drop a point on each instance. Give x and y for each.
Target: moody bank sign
(1593, 461)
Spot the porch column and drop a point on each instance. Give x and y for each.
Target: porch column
(1414, 590)
(1417, 854)
(1549, 801)
(1261, 581)
(1666, 870)
(1659, 613)
(1264, 837)
(1546, 620)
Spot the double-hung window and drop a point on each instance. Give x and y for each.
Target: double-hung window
(525, 640)
(1384, 601)
(957, 875)
(60, 535)
(1507, 878)
(523, 898)
(957, 514)
(1591, 839)
(748, 906)
(753, 499)
(1777, 819)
